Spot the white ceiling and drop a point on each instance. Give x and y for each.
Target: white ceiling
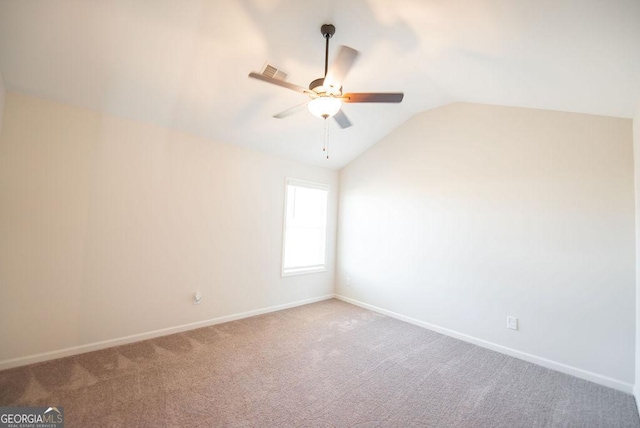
(184, 63)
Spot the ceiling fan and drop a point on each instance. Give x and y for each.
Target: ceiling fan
(325, 93)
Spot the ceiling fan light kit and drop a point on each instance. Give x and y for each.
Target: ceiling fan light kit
(324, 107)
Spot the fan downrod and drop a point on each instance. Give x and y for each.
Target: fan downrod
(327, 30)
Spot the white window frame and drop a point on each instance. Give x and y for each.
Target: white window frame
(303, 269)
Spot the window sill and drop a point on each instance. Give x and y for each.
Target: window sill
(303, 271)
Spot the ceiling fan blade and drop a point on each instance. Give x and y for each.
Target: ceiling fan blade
(289, 112)
(340, 67)
(281, 83)
(372, 97)
(342, 119)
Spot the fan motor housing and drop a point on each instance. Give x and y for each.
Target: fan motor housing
(317, 85)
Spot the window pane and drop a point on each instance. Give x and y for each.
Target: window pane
(305, 233)
(304, 247)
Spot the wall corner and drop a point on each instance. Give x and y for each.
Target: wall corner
(636, 173)
(3, 94)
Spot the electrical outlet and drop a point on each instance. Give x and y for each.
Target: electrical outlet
(512, 323)
(348, 281)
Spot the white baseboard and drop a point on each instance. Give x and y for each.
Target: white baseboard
(553, 365)
(75, 350)
(550, 364)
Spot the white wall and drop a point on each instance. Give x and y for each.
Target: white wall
(469, 213)
(107, 227)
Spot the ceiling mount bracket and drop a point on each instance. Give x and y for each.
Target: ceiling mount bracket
(328, 30)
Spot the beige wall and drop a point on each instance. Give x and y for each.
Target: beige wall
(3, 94)
(108, 226)
(469, 213)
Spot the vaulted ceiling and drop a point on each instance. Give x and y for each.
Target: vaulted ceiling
(183, 64)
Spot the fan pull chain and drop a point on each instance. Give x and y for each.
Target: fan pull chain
(325, 149)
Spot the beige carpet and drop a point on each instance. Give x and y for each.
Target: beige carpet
(324, 364)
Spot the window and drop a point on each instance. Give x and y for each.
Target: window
(305, 227)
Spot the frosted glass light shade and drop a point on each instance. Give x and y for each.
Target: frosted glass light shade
(324, 107)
